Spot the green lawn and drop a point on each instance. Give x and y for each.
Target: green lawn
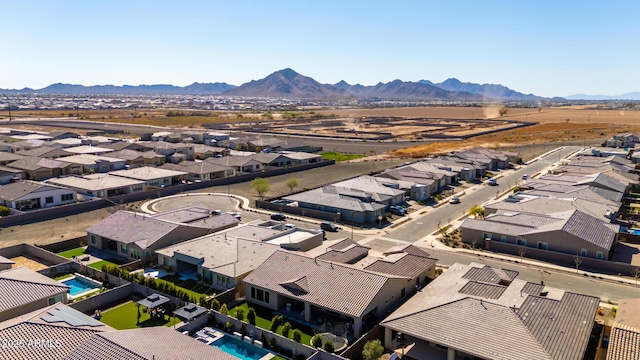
(124, 317)
(263, 321)
(190, 286)
(110, 261)
(74, 252)
(330, 155)
(62, 277)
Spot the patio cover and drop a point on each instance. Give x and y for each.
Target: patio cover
(190, 311)
(153, 300)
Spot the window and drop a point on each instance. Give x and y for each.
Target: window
(93, 239)
(67, 197)
(402, 293)
(266, 296)
(486, 236)
(599, 255)
(135, 254)
(153, 182)
(260, 295)
(48, 200)
(56, 299)
(543, 245)
(418, 281)
(583, 252)
(253, 292)
(123, 248)
(137, 187)
(503, 238)
(521, 242)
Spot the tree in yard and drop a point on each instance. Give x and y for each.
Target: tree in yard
(316, 341)
(251, 316)
(215, 305)
(476, 211)
(240, 313)
(297, 335)
(224, 310)
(577, 260)
(292, 184)
(285, 329)
(521, 252)
(261, 186)
(373, 350)
(328, 346)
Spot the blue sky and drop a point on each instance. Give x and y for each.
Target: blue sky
(549, 48)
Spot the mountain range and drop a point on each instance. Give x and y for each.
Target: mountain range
(627, 96)
(287, 83)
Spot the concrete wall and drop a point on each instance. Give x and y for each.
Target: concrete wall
(603, 266)
(34, 252)
(104, 300)
(354, 351)
(65, 244)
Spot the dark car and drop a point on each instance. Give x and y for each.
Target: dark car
(328, 226)
(398, 210)
(278, 217)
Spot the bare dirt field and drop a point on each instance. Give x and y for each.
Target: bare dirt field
(29, 263)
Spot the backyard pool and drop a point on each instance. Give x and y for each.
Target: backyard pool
(634, 231)
(80, 285)
(239, 349)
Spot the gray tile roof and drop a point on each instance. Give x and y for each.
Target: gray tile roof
(158, 343)
(561, 327)
(482, 329)
(95, 182)
(184, 214)
(7, 156)
(147, 173)
(346, 251)
(328, 196)
(69, 338)
(190, 311)
(202, 167)
(330, 286)
(546, 205)
(130, 227)
(497, 322)
(19, 286)
(532, 288)
(35, 163)
(484, 290)
(407, 265)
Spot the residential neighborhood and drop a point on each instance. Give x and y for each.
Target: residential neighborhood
(277, 278)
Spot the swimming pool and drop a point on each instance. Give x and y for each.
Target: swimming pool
(80, 285)
(634, 231)
(239, 349)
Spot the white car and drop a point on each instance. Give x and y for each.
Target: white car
(454, 200)
(525, 177)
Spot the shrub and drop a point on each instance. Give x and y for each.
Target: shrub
(229, 326)
(240, 313)
(297, 335)
(215, 305)
(224, 310)
(4, 211)
(373, 350)
(274, 324)
(251, 316)
(328, 346)
(614, 310)
(316, 341)
(285, 329)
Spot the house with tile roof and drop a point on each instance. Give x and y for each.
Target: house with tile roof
(624, 339)
(100, 185)
(152, 176)
(135, 158)
(9, 175)
(322, 291)
(30, 195)
(201, 170)
(572, 232)
(38, 168)
(23, 290)
(148, 343)
(227, 257)
(350, 205)
(241, 164)
(477, 311)
(137, 236)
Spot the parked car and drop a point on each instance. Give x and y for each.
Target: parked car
(235, 215)
(328, 226)
(324, 234)
(397, 210)
(289, 226)
(454, 200)
(216, 212)
(278, 217)
(525, 177)
(492, 182)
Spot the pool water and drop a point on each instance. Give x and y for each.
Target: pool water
(634, 231)
(239, 349)
(79, 285)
